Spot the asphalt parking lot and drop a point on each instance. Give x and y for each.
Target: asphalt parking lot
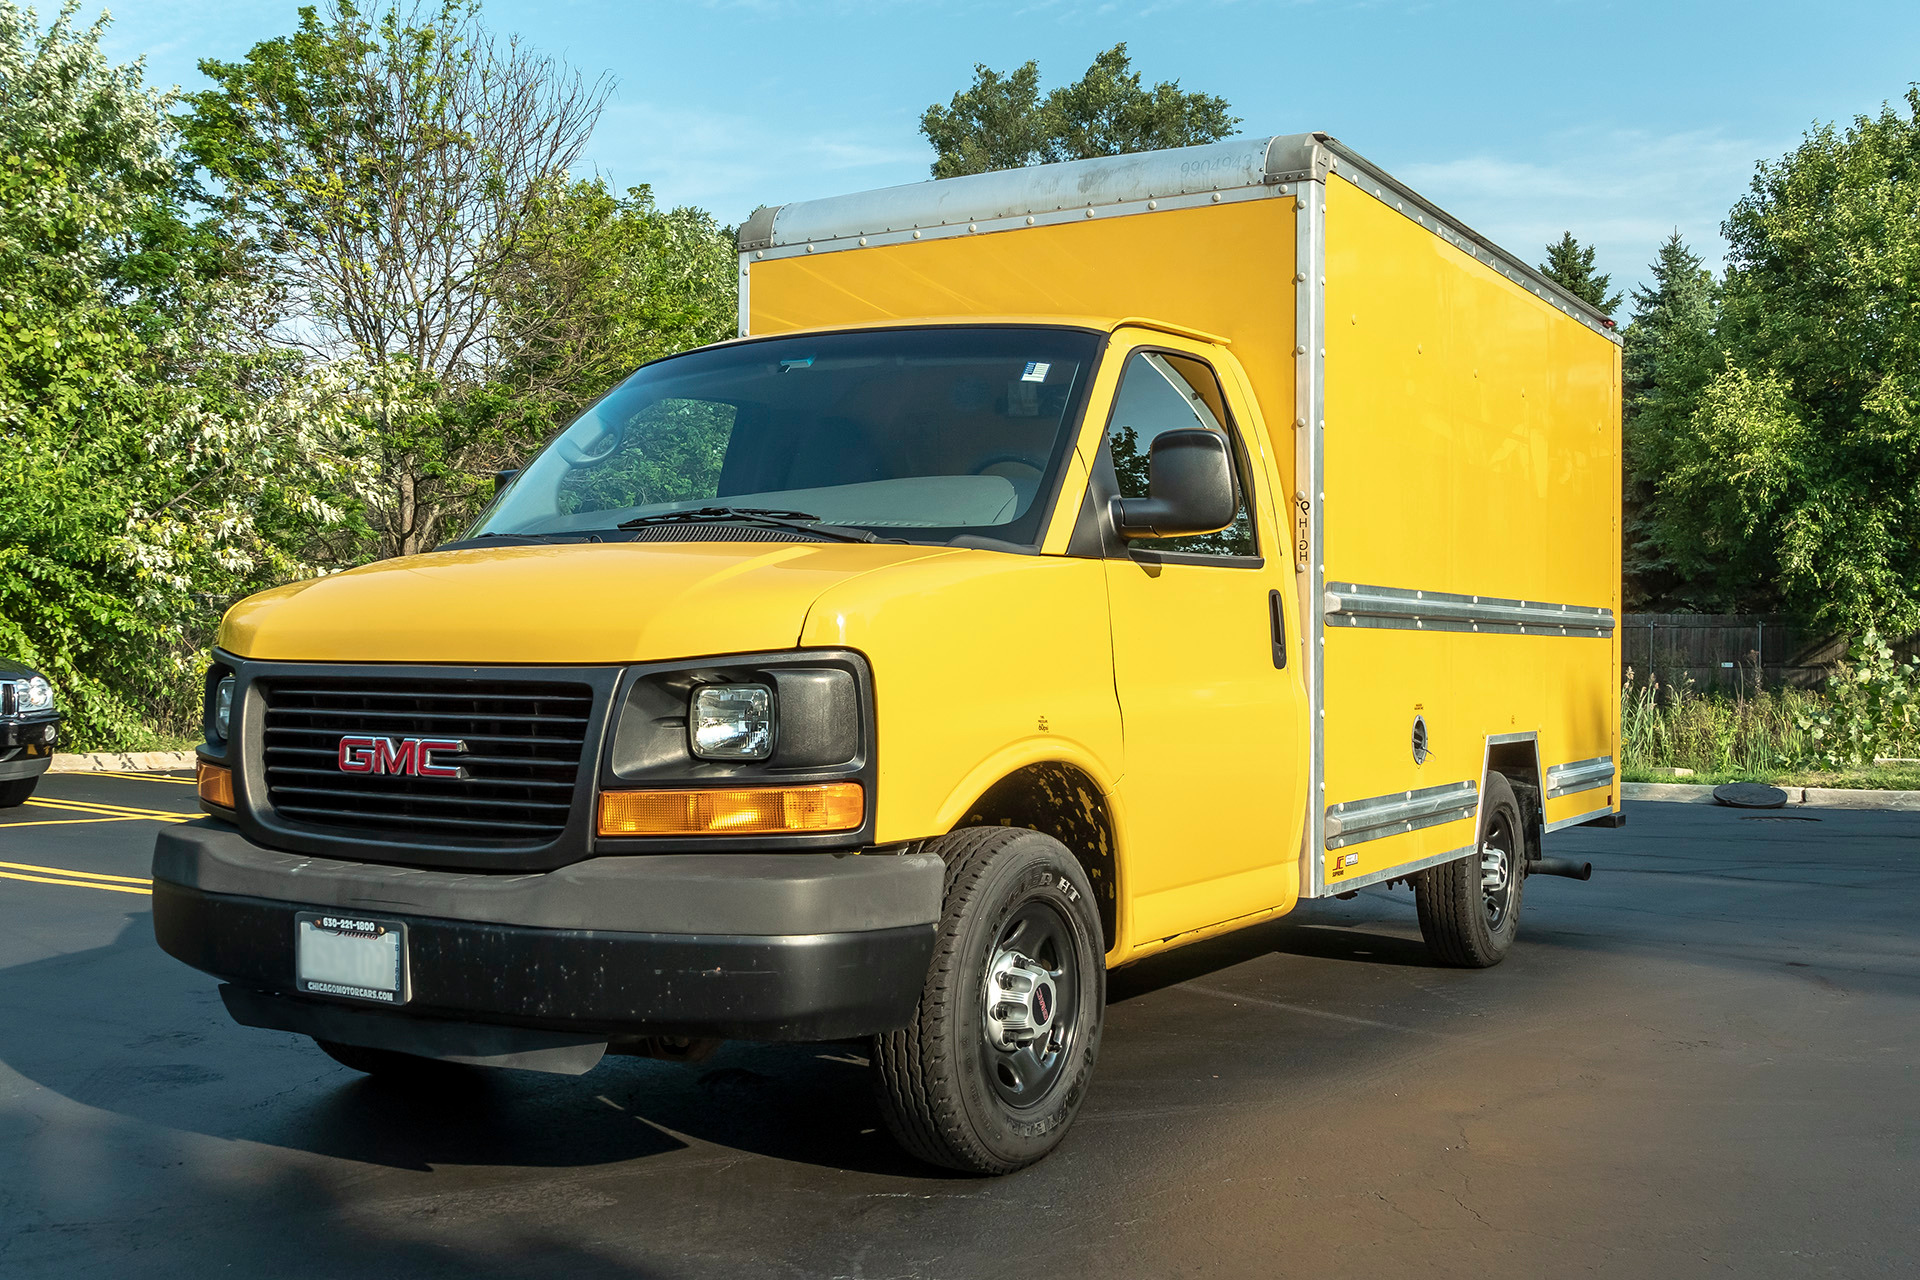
(1702, 1062)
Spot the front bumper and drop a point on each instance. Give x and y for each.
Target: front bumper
(786, 946)
(28, 761)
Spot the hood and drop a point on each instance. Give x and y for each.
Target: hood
(571, 603)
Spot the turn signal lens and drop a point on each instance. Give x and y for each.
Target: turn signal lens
(216, 784)
(741, 811)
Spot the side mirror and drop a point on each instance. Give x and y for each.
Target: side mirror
(501, 479)
(1189, 488)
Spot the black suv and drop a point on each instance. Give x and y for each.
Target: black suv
(29, 731)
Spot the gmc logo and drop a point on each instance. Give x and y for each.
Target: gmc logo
(412, 756)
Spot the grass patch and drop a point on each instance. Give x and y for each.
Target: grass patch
(1905, 778)
(1787, 737)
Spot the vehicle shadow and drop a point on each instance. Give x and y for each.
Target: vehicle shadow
(1374, 929)
(128, 1030)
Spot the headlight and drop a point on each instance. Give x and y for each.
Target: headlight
(731, 722)
(35, 695)
(223, 708)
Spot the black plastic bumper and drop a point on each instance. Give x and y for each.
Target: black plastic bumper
(28, 747)
(42, 733)
(561, 952)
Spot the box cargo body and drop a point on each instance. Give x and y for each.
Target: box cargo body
(1445, 425)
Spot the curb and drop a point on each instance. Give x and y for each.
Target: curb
(122, 762)
(1808, 797)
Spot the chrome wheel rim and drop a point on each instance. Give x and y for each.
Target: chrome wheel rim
(1029, 1005)
(1499, 871)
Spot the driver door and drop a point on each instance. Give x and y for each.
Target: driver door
(1206, 667)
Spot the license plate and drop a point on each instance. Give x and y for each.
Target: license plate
(350, 956)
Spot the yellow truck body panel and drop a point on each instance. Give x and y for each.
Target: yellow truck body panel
(1471, 447)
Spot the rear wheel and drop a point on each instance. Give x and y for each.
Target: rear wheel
(994, 1065)
(1470, 907)
(15, 793)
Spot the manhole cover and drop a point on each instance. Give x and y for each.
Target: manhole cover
(1777, 817)
(1750, 795)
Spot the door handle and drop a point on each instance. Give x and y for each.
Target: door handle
(1276, 614)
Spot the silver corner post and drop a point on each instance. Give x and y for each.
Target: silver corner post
(744, 311)
(1309, 420)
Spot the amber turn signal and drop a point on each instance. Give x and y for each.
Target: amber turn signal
(738, 811)
(216, 784)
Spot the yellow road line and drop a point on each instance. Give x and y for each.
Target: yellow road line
(116, 810)
(104, 806)
(144, 777)
(77, 884)
(77, 822)
(84, 875)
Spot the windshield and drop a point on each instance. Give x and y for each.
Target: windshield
(918, 434)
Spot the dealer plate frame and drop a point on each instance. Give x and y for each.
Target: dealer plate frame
(337, 927)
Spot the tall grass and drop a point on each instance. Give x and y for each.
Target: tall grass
(1671, 725)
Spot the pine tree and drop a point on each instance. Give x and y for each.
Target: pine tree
(1670, 356)
(1569, 264)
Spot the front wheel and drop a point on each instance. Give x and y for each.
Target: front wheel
(15, 793)
(1470, 907)
(994, 1065)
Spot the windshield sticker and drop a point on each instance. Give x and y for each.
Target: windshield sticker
(803, 362)
(1036, 371)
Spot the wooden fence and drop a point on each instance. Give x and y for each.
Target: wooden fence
(1720, 650)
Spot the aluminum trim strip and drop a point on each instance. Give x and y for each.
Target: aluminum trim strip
(1563, 823)
(1012, 195)
(743, 310)
(1309, 477)
(1401, 608)
(1335, 887)
(1579, 775)
(1375, 818)
(1523, 735)
(1017, 222)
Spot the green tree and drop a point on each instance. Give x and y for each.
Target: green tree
(146, 457)
(383, 167)
(1670, 355)
(1003, 122)
(1569, 264)
(1798, 476)
(601, 285)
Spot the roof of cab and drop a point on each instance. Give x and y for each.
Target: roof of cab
(1097, 324)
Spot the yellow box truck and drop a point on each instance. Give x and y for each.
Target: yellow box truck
(1065, 564)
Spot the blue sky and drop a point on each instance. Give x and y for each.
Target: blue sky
(1619, 121)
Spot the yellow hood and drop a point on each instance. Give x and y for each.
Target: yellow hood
(587, 603)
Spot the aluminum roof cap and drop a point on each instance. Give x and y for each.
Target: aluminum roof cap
(1036, 190)
(1043, 188)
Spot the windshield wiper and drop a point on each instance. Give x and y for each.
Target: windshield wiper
(799, 521)
(530, 537)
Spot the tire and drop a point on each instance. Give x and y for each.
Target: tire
(389, 1064)
(1467, 920)
(16, 793)
(1018, 905)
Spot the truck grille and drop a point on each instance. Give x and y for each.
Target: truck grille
(524, 743)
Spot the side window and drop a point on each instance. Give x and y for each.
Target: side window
(1164, 392)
